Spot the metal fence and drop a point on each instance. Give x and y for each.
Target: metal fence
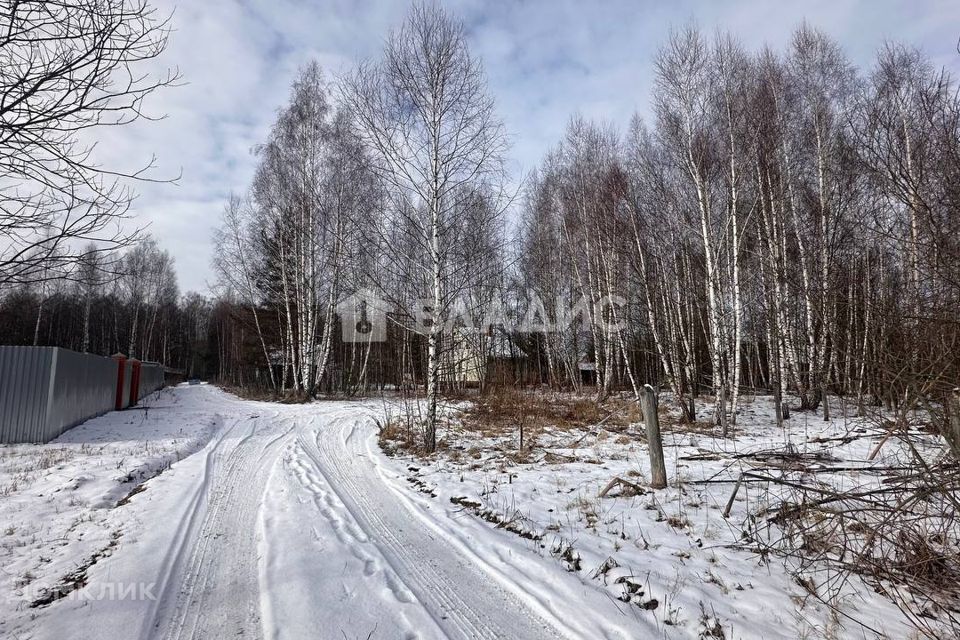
(46, 390)
(152, 375)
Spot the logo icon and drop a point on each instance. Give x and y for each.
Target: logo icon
(363, 317)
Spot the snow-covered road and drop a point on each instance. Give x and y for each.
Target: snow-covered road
(290, 523)
(211, 584)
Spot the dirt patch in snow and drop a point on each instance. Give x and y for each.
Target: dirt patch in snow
(76, 579)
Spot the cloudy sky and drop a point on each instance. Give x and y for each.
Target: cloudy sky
(545, 59)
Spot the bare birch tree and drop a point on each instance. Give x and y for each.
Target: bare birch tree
(425, 113)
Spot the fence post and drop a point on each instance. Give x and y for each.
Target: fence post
(952, 433)
(658, 470)
(134, 382)
(121, 361)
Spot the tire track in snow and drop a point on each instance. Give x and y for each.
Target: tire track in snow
(463, 599)
(431, 581)
(346, 530)
(212, 589)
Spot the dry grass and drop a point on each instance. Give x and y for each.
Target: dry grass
(501, 412)
(492, 423)
(266, 395)
(398, 435)
(488, 427)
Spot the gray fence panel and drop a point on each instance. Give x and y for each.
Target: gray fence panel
(24, 391)
(9, 386)
(9, 362)
(19, 373)
(35, 392)
(24, 387)
(84, 386)
(46, 390)
(13, 370)
(151, 378)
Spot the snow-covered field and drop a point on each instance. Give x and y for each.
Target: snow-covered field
(205, 516)
(670, 556)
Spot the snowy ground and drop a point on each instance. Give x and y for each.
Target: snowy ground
(59, 502)
(288, 522)
(205, 516)
(683, 567)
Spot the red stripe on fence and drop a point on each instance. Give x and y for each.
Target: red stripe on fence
(121, 365)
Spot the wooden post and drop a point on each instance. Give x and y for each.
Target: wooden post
(952, 435)
(736, 488)
(778, 404)
(658, 470)
(134, 382)
(826, 401)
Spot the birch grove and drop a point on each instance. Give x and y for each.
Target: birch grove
(292, 243)
(772, 198)
(782, 222)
